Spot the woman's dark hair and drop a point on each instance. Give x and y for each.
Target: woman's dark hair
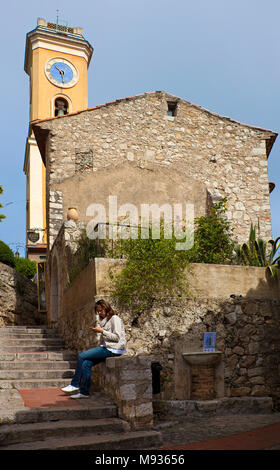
(107, 307)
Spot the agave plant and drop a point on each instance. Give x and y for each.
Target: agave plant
(258, 252)
(273, 265)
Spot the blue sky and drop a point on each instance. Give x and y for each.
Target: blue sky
(223, 56)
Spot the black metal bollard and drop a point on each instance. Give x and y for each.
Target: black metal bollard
(156, 368)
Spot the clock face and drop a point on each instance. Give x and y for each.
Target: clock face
(61, 72)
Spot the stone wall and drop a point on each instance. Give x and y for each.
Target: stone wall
(128, 381)
(18, 299)
(248, 334)
(133, 149)
(240, 304)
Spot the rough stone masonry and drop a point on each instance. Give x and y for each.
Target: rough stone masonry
(156, 148)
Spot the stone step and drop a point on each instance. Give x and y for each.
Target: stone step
(20, 433)
(42, 348)
(37, 365)
(30, 330)
(99, 410)
(25, 335)
(33, 383)
(36, 374)
(121, 441)
(38, 356)
(21, 343)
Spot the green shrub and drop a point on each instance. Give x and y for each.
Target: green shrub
(154, 270)
(6, 255)
(213, 241)
(26, 267)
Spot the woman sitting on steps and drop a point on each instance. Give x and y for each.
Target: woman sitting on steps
(112, 343)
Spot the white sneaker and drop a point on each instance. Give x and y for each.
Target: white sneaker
(70, 389)
(79, 395)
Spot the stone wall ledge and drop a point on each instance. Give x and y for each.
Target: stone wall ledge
(212, 281)
(218, 407)
(128, 381)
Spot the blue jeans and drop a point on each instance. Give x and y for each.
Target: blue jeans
(87, 359)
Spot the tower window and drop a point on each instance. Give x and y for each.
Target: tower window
(61, 107)
(172, 108)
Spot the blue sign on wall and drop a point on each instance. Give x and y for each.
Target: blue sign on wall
(209, 341)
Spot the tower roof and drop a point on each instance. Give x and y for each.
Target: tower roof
(56, 28)
(52, 34)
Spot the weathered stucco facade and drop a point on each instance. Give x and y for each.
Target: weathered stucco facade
(134, 149)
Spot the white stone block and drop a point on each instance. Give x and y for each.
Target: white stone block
(55, 205)
(149, 155)
(239, 206)
(130, 156)
(57, 216)
(258, 151)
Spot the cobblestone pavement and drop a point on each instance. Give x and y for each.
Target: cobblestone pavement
(187, 430)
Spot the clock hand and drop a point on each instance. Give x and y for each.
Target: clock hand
(62, 75)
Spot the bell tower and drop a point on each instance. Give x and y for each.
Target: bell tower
(57, 58)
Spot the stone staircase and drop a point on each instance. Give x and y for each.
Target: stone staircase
(36, 358)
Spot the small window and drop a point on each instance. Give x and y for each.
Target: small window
(61, 107)
(172, 108)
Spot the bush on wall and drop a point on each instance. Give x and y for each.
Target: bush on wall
(26, 267)
(6, 255)
(154, 269)
(213, 239)
(22, 265)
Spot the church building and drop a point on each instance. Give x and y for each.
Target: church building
(152, 148)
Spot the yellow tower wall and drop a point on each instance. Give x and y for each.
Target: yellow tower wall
(43, 92)
(42, 44)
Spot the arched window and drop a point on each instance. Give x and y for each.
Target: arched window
(60, 107)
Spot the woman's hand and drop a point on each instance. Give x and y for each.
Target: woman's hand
(97, 330)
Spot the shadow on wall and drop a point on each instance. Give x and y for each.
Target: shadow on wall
(27, 302)
(248, 336)
(18, 299)
(239, 303)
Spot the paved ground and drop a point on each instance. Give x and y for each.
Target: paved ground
(238, 432)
